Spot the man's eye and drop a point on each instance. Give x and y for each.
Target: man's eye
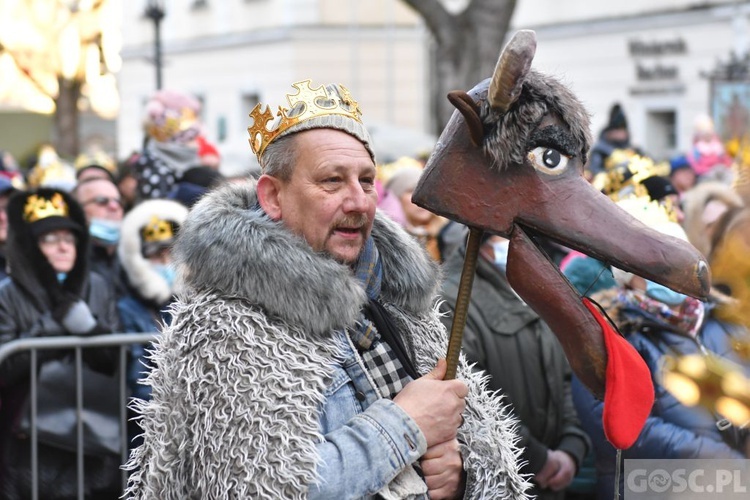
(548, 160)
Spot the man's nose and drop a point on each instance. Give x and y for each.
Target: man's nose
(357, 200)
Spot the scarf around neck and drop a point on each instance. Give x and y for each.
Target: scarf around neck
(375, 335)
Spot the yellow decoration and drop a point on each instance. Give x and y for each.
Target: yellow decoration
(719, 385)
(157, 230)
(172, 124)
(386, 170)
(627, 170)
(652, 213)
(96, 158)
(305, 104)
(730, 270)
(38, 208)
(50, 171)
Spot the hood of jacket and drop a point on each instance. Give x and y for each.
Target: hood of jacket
(29, 268)
(229, 246)
(149, 284)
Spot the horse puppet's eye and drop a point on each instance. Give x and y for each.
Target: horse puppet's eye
(548, 160)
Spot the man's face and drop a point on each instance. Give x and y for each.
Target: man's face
(100, 200)
(330, 198)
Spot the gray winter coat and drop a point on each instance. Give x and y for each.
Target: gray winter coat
(242, 373)
(508, 340)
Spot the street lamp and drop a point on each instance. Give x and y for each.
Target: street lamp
(155, 12)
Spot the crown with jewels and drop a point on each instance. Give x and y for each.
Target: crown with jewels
(38, 208)
(307, 103)
(157, 230)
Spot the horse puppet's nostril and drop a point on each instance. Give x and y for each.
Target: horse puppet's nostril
(703, 273)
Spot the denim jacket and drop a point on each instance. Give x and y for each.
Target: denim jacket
(373, 433)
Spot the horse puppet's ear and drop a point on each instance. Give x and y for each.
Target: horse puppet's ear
(511, 70)
(467, 107)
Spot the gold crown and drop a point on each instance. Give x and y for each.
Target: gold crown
(625, 170)
(157, 230)
(38, 208)
(305, 104)
(95, 158)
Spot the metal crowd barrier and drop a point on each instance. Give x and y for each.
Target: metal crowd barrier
(77, 344)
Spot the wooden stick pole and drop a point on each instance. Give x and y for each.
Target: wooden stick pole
(462, 301)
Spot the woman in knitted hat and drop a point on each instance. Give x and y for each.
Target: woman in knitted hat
(172, 126)
(50, 292)
(421, 223)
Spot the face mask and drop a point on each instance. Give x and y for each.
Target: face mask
(105, 231)
(501, 253)
(165, 271)
(61, 277)
(664, 294)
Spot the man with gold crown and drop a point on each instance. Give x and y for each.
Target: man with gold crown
(301, 357)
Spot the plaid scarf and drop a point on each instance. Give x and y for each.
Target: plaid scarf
(379, 358)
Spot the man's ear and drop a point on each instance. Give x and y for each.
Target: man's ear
(269, 195)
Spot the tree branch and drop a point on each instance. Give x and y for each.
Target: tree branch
(439, 21)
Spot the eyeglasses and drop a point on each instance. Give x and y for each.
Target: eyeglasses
(51, 239)
(103, 201)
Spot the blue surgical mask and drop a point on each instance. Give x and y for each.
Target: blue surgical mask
(664, 294)
(105, 231)
(61, 277)
(165, 271)
(501, 253)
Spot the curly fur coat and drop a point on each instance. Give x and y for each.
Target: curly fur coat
(241, 371)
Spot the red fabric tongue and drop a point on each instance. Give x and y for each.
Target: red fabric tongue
(628, 391)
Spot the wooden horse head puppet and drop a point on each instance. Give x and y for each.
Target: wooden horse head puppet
(510, 161)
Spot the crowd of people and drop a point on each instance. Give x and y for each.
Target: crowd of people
(302, 316)
(86, 250)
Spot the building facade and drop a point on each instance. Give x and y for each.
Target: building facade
(232, 54)
(653, 57)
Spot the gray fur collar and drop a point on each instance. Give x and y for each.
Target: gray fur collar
(230, 247)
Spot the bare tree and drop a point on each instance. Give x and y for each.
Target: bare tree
(466, 46)
(57, 48)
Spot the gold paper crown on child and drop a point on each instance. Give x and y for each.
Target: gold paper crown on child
(38, 208)
(157, 230)
(305, 104)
